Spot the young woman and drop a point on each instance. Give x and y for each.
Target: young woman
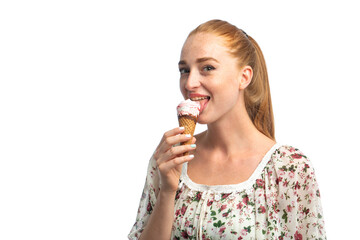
(237, 182)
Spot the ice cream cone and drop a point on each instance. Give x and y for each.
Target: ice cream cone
(188, 112)
(189, 123)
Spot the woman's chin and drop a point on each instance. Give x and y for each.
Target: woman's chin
(202, 120)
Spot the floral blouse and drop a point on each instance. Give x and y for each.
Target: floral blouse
(280, 200)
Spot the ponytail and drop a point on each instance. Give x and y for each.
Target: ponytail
(257, 95)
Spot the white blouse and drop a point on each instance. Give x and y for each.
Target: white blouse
(280, 200)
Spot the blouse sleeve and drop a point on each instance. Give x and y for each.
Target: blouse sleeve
(300, 209)
(147, 200)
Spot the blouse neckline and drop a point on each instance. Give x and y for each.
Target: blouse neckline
(231, 187)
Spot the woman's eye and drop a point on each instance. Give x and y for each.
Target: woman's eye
(208, 68)
(183, 70)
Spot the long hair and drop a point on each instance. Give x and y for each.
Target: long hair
(248, 53)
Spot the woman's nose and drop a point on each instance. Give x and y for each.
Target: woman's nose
(193, 81)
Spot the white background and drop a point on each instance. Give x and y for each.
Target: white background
(79, 81)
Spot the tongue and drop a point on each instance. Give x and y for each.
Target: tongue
(202, 104)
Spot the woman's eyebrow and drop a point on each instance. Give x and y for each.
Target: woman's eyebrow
(204, 59)
(199, 60)
(182, 62)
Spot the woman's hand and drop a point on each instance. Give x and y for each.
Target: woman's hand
(169, 158)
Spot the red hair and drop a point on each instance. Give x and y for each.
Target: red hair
(248, 53)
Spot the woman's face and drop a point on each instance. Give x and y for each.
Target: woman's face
(207, 69)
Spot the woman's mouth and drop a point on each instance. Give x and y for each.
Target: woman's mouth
(202, 100)
(199, 98)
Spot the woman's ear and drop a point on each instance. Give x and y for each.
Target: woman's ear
(245, 76)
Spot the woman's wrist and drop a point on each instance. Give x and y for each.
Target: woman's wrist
(165, 194)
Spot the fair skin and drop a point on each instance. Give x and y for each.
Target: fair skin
(229, 151)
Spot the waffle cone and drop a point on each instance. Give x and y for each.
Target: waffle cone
(189, 122)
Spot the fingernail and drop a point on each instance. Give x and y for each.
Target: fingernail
(193, 145)
(188, 135)
(181, 128)
(191, 156)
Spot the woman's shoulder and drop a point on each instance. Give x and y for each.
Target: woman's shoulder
(290, 158)
(294, 175)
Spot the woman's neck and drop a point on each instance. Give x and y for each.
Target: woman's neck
(233, 134)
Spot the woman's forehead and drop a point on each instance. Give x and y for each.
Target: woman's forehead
(202, 45)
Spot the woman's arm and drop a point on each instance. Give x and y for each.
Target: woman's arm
(156, 210)
(299, 197)
(161, 219)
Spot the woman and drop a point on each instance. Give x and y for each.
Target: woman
(237, 182)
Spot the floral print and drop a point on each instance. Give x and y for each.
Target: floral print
(281, 200)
